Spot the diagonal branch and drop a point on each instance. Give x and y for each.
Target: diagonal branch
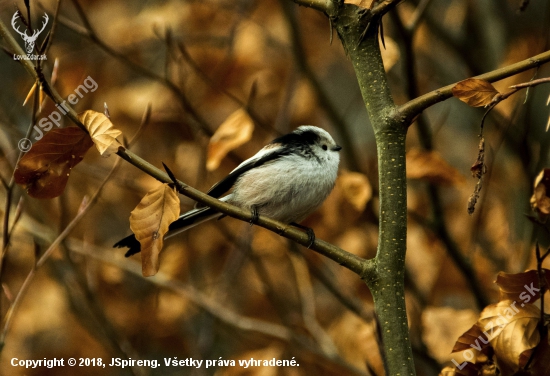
(408, 111)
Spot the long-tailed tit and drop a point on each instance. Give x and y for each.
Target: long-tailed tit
(286, 180)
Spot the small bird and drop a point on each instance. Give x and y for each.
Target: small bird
(286, 180)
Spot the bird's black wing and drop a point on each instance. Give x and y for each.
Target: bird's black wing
(227, 183)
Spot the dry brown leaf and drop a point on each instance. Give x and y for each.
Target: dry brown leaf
(101, 130)
(44, 170)
(475, 92)
(467, 370)
(430, 166)
(512, 329)
(356, 189)
(470, 340)
(149, 221)
(540, 201)
(522, 287)
(234, 131)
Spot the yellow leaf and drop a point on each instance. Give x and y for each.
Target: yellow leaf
(149, 222)
(512, 329)
(475, 92)
(234, 131)
(356, 189)
(101, 130)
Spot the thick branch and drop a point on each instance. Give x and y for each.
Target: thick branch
(359, 34)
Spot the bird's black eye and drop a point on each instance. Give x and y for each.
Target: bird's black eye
(324, 147)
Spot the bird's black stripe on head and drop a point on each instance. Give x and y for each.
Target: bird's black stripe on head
(298, 138)
(301, 142)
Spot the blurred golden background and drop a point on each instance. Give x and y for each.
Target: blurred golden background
(229, 291)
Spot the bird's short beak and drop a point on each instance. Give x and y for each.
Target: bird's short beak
(337, 148)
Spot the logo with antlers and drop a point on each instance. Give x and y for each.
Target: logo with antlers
(29, 39)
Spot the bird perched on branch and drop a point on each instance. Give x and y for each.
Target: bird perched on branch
(286, 180)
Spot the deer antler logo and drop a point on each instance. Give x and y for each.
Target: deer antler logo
(29, 39)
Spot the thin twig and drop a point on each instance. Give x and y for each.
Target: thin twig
(384, 7)
(22, 291)
(9, 190)
(144, 122)
(53, 28)
(414, 107)
(213, 307)
(200, 72)
(201, 124)
(307, 298)
(417, 15)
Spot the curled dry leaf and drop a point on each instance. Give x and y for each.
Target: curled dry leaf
(356, 189)
(470, 340)
(522, 287)
(540, 201)
(234, 131)
(44, 170)
(430, 166)
(149, 222)
(101, 130)
(475, 92)
(512, 330)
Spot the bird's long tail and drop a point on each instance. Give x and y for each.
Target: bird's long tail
(186, 221)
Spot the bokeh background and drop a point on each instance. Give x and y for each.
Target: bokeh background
(226, 290)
